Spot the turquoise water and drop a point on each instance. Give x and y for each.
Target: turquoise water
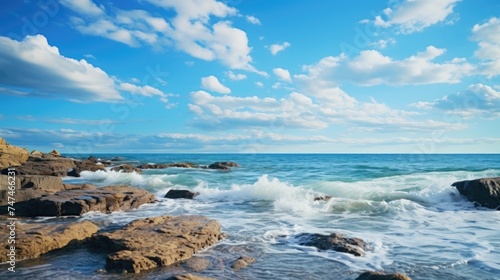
(402, 205)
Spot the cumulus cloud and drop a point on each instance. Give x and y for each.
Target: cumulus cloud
(188, 29)
(276, 48)
(212, 83)
(259, 84)
(487, 35)
(371, 67)
(235, 77)
(410, 16)
(477, 100)
(144, 91)
(283, 74)
(86, 7)
(37, 68)
(253, 20)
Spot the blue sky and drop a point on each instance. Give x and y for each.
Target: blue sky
(260, 76)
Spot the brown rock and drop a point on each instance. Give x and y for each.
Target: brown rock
(55, 153)
(80, 201)
(376, 275)
(11, 155)
(127, 168)
(484, 192)
(334, 241)
(189, 277)
(242, 262)
(36, 153)
(29, 186)
(159, 241)
(49, 166)
(196, 264)
(32, 240)
(176, 194)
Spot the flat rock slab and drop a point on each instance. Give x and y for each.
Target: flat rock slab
(161, 241)
(80, 201)
(334, 241)
(485, 191)
(33, 240)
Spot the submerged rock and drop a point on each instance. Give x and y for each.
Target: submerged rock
(242, 262)
(176, 194)
(376, 275)
(197, 264)
(334, 241)
(485, 191)
(161, 241)
(33, 240)
(127, 168)
(80, 201)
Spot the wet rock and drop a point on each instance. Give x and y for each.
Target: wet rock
(223, 165)
(322, 198)
(484, 192)
(242, 262)
(168, 165)
(176, 194)
(196, 264)
(80, 201)
(334, 241)
(33, 240)
(74, 172)
(376, 275)
(127, 168)
(161, 241)
(11, 156)
(189, 277)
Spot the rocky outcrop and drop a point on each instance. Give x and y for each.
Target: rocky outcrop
(176, 194)
(242, 262)
(484, 192)
(189, 277)
(334, 241)
(161, 241)
(48, 166)
(55, 153)
(80, 201)
(126, 168)
(33, 240)
(30, 186)
(376, 275)
(223, 165)
(168, 165)
(11, 156)
(36, 153)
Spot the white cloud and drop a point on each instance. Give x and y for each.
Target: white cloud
(235, 77)
(253, 20)
(38, 69)
(410, 16)
(487, 36)
(276, 48)
(283, 74)
(212, 83)
(189, 29)
(477, 100)
(86, 7)
(371, 67)
(144, 91)
(259, 84)
(382, 44)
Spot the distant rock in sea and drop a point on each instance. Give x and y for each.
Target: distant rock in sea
(127, 168)
(484, 192)
(176, 194)
(376, 275)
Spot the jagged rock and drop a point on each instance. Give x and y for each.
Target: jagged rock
(127, 168)
(11, 156)
(484, 192)
(196, 264)
(55, 153)
(36, 153)
(242, 262)
(175, 194)
(161, 241)
(80, 201)
(35, 239)
(334, 241)
(376, 275)
(74, 172)
(189, 277)
(223, 165)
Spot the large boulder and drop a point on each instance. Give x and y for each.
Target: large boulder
(484, 192)
(334, 241)
(11, 156)
(80, 201)
(161, 241)
(176, 194)
(376, 275)
(35, 239)
(126, 168)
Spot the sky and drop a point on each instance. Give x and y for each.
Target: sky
(251, 76)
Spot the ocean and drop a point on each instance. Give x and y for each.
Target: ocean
(402, 205)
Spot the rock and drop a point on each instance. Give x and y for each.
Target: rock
(197, 264)
(484, 192)
(74, 172)
(49, 166)
(127, 168)
(35, 239)
(175, 194)
(11, 156)
(87, 165)
(36, 153)
(161, 241)
(29, 186)
(80, 201)
(334, 241)
(376, 275)
(322, 198)
(92, 159)
(55, 153)
(242, 262)
(189, 277)
(168, 165)
(223, 165)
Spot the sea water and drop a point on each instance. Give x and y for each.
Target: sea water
(403, 206)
